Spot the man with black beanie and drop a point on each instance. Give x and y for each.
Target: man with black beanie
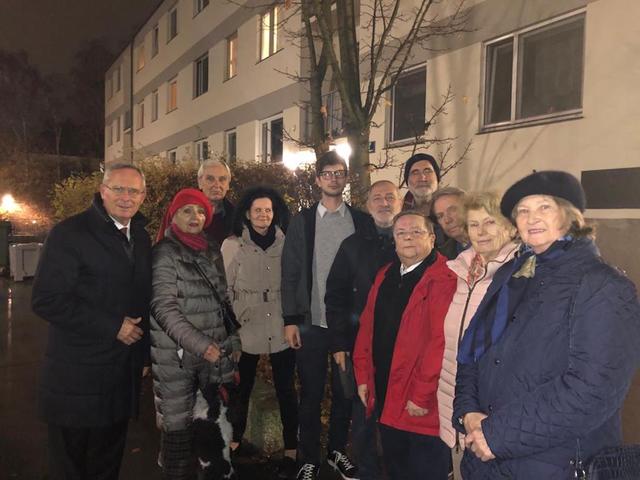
(422, 176)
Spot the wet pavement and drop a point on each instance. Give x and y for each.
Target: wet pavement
(23, 439)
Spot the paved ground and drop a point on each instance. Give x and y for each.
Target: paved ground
(23, 444)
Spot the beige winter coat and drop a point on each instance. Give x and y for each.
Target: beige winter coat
(253, 276)
(464, 304)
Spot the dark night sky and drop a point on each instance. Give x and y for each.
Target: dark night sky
(52, 31)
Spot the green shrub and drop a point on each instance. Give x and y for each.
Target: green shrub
(165, 179)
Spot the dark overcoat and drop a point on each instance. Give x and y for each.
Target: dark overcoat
(88, 279)
(559, 373)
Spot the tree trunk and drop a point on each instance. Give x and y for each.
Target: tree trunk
(359, 166)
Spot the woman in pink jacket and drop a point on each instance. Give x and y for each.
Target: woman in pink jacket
(492, 246)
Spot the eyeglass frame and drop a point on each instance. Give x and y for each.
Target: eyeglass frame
(329, 174)
(121, 191)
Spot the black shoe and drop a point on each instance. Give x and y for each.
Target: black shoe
(341, 463)
(287, 468)
(308, 471)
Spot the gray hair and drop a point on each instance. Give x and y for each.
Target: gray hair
(444, 192)
(212, 163)
(418, 213)
(112, 167)
(382, 182)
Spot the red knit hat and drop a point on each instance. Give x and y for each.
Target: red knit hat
(186, 196)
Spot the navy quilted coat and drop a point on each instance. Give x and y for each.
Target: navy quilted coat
(558, 374)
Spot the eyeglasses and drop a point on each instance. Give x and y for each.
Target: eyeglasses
(427, 172)
(328, 174)
(120, 191)
(409, 233)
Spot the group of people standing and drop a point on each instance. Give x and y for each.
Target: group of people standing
(473, 335)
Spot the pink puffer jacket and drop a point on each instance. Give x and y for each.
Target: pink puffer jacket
(463, 306)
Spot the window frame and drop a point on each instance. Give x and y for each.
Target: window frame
(170, 34)
(201, 148)
(109, 134)
(231, 64)
(201, 77)
(140, 115)
(118, 128)
(407, 71)
(118, 78)
(227, 134)
(109, 88)
(155, 105)
(273, 47)
(172, 152)
(141, 61)
(170, 83)
(516, 77)
(266, 157)
(199, 6)
(155, 40)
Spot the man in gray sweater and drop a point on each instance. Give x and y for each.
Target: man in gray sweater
(312, 241)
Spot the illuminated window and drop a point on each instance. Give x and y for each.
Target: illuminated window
(232, 56)
(172, 95)
(269, 33)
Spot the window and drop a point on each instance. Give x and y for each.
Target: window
(232, 55)
(109, 134)
(201, 76)
(118, 128)
(408, 98)
(172, 155)
(269, 33)
(199, 5)
(117, 78)
(333, 106)
(202, 150)
(172, 24)
(172, 95)
(271, 139)
(535, 73)
(154, 105)
(109, 87)
(141, 115)
(127, 120)
(155, 41)
(230, 145)
(141, 60)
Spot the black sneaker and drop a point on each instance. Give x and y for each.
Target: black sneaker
(341, 463)
(287, 468)
(308, 471)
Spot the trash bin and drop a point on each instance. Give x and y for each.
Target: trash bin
(5, 231)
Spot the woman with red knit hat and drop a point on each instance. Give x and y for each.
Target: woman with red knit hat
(193, 337)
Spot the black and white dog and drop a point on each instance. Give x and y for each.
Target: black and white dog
(212, 434)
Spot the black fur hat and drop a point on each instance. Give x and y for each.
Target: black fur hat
(549, 182)
(418, 157)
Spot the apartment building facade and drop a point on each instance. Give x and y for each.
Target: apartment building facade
(537, 84)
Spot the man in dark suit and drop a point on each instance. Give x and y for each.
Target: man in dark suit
(93, 288)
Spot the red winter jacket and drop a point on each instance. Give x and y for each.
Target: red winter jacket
(418, 351)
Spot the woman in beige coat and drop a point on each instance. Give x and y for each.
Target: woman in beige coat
(492, 246)
(252, 258)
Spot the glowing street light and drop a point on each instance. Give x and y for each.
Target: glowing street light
(9, 204)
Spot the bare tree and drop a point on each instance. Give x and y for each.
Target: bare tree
(363, 47)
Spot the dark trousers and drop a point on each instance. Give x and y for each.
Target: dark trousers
(86, 453)
(283, 364)
(412, 456)
(364, 441)
(311, 360)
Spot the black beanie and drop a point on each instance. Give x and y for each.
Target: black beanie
(418, 157)
(549, 182)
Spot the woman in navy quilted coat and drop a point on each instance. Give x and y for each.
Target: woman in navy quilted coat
(548, 357)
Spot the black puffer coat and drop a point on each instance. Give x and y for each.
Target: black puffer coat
(560, 371)
(186, 319)
(84, 287)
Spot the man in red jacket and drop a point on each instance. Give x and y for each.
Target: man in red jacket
(399, 349)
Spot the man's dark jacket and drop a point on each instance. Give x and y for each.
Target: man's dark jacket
(88, 279)
(222, 223)
(297, 262)
(354, 269)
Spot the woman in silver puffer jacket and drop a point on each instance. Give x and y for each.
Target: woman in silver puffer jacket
(190, 345)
